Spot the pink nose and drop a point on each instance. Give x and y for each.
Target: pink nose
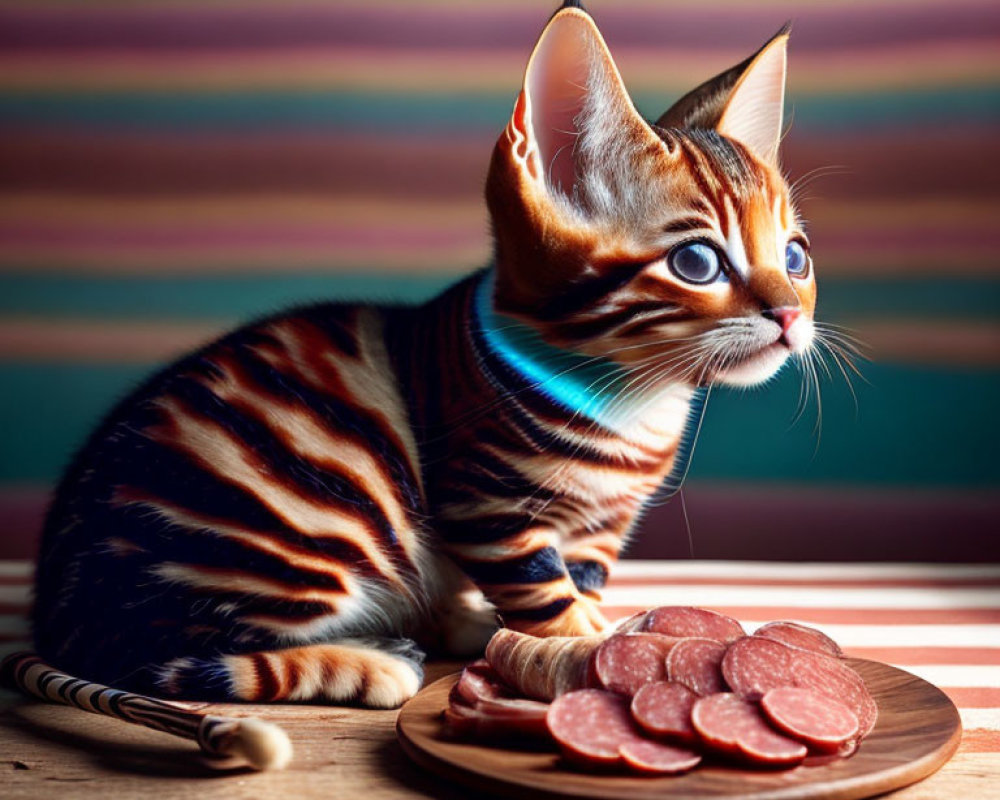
(784, 316)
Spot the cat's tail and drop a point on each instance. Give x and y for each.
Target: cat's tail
(230, 741)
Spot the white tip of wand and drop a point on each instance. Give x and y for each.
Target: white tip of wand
(261, 744)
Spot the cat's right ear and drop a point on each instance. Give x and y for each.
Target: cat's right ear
(562, 161)
(573, 102)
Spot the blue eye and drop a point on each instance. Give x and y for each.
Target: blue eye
(695, 262)
(796, 260)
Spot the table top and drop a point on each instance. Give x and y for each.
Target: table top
(940, 622)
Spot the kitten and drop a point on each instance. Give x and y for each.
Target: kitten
(281, 514)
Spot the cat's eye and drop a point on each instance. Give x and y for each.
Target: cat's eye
(695, 262)
(796, 259)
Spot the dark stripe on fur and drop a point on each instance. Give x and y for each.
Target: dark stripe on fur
(541, 566)
(588, 292)
(587, 575)
(546, 612)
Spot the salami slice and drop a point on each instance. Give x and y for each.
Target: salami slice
(591, 725)
(664, 709)
(479, 682)
(625, 662)
(645, 755)
(801, 636)
(833, 678)
(482, 706)
(516, 718)
(697, 664)
(686, 621)
(731, 725)
(754, 665)
(816, 720)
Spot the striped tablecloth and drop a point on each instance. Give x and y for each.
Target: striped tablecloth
(940, 622)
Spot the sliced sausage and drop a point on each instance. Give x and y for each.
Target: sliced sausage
(817, 720)
(686, 621)
(510, 719)
(625, 662)
(801, 636)
(731, 725)
(697, 664)
(752, 666)
(834, 678)
(481, 705)
(591, 725)
(645, 755)
(664, 709)
(755, 665)
(479, 681)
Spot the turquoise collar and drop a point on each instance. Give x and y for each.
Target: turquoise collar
(583, 384)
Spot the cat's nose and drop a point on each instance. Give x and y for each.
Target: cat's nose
(784, 316)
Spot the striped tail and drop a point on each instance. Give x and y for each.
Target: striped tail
(240, 742)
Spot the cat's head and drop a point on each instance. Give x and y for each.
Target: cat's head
(671, 246)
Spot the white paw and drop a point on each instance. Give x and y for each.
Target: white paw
(390, 682)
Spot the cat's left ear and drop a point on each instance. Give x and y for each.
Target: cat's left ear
(745, 103)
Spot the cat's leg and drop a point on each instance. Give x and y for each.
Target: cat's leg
(376, 673)
(525, 578)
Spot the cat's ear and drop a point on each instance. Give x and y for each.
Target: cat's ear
(745, 103)
(573, 103)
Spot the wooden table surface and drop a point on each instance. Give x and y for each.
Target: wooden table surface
(952, 615)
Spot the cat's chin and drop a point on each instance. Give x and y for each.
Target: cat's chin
(756, 369)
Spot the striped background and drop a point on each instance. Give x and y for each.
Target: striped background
(170, 167)
(941, 623)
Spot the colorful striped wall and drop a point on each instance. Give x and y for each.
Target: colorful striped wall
(171, 167)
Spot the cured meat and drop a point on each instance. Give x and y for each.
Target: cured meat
(479, 682)
(754, 665)
(838, 681)
(816, 720)
(664, 709)
(731, 725)
(591, 725)
(516, 718)
(480, 705)
(697, 664)
(801, 636)
(669, 683)
(543, 668)
(685, 621)
(626, 662)
(645, 755)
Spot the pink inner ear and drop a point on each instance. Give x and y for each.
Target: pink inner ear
(557, 87)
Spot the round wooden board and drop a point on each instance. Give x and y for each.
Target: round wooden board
(918, 730)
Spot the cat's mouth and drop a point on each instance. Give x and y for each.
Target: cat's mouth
(753, 368)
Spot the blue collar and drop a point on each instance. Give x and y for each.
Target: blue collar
(585, 385)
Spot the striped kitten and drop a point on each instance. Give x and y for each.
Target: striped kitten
(284, 514)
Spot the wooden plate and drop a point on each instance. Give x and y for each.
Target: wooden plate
(918, 730)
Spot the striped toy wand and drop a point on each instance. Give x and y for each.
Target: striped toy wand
(240, 742)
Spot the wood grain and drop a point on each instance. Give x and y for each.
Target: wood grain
(917, 732)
